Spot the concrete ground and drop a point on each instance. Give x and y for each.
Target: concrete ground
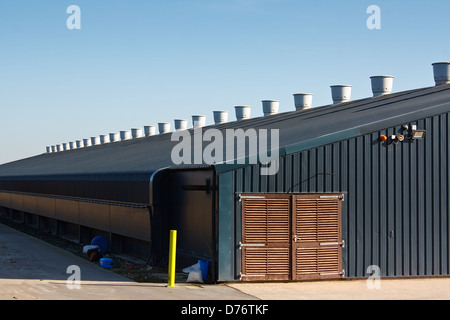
(31, 269)
(389, 289)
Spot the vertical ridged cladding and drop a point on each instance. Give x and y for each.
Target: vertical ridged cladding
(396, 209)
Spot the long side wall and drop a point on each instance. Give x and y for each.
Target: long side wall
(126, 226)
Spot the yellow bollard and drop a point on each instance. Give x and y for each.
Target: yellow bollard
(172, 257)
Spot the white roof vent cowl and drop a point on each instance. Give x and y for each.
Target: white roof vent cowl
(441, 73)
(180, 124)
(341, 93)
(87, 142)
(136, 133)
(79, 144)
(114, 137)
(382, 85)
(198, 121)
(149, 131)
(104, 139)
(242, 112)
(270, 107)
(220, 117)
(95, 141)
(125, 135)
(163, 127)
(303, 101)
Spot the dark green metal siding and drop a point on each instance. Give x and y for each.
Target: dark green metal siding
(396, 208)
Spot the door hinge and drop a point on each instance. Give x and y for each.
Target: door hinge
(340, 197)
(250, 275)
(342, 273)
(250, 197)
(342, 243)
(241, 245)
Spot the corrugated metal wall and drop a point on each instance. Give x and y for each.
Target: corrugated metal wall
(396, 208)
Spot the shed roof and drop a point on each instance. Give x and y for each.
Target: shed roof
(298, 130)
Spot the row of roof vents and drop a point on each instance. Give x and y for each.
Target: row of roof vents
(381, 85)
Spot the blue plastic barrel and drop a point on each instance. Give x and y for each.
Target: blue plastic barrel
(204, 267)
(102, 244)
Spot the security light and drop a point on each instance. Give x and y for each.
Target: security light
(418, 134)
(414, 133)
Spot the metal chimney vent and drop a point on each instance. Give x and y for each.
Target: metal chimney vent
(104, 139)
(163, 127)
(114, 137)
(302, 101)
(441, 73)
(72, 145)
(125, 135)
(382, 85)
(270, 107)
(149, 131)
(220, 117)
(180, 124)
(136, 133)
(198, 121)
(341, 93)
(242, 112)
(87, 142)
(95, 141)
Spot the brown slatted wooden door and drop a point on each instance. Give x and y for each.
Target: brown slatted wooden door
(317, 237)
(266, 238)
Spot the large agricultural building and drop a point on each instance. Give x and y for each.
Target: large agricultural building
(358, 184)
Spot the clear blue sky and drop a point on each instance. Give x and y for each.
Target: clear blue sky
(140, 62)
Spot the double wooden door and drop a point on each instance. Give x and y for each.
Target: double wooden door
(291, 237)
